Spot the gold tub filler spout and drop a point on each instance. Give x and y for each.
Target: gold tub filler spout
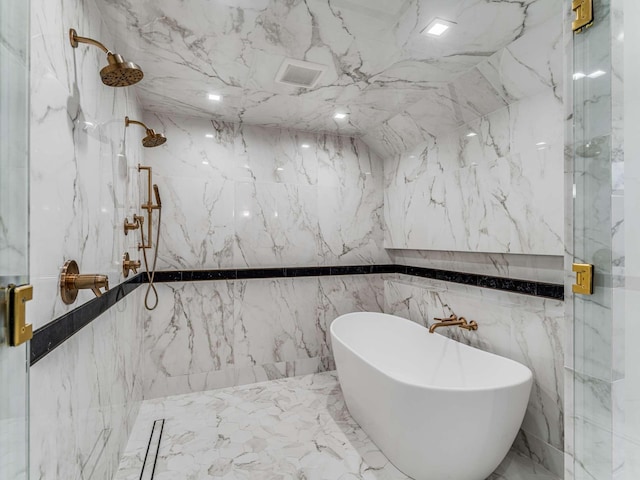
(71, 281)
(453, 321)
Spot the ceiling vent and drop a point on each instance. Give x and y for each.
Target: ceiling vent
(299, 73)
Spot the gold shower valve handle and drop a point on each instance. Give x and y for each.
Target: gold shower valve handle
(129, 265)
(71, 281)
(137, 222)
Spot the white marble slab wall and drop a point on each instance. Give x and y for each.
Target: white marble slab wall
(214, 334)
(83, 183)
(85, 397)
(523, 328)
(493, 181)
(497, 191)
(245, 196)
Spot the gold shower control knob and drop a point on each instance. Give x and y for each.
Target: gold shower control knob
(129, 265)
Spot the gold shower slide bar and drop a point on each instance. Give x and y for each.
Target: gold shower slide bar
(149, 207)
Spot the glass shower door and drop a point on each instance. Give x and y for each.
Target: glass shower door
(14, 245)
(603, 431)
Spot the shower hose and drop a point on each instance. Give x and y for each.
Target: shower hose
(151, 275)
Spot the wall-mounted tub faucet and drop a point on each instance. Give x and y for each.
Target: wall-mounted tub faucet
(71, 281)
(453, 321)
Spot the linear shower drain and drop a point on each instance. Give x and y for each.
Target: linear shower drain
(153, 448)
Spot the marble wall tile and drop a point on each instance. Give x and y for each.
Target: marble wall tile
(345, 294)
(85, 396)
(14, 126)
(191, 330)
(484, 193)
(246, 196)
(276, 320)
(83, 184)
(276, 225)
(207, 335)
(82, 161)
(526, 329)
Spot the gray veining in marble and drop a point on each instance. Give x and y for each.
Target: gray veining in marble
(526, 329)
(290, 428)
(379, 64)
(245, 196)
(206, 335)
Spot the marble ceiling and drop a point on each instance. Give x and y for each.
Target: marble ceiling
(381, 69)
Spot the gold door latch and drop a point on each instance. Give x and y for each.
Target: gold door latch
(19, 330)
(584, 279)
(584, 14)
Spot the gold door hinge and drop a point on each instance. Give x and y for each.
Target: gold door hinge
(584, 279)
(19, 330)
(584, 14)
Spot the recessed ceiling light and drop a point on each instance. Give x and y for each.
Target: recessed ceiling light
(209, 135)
(540, 144)
(280, 169)
(597, 73)
(471, 134)
(204, 162)
(578, 75)
(437, 28)
(305, 145)
(340, 116)
(215, 97)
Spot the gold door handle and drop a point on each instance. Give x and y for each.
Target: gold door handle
(584, 279)
(21, 331)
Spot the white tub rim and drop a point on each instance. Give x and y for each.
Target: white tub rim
(526, 370)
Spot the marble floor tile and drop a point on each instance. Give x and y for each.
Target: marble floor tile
(282, 429)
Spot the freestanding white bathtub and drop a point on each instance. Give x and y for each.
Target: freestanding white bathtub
(438, 409)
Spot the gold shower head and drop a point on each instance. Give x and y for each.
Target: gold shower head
(152, 139)
(119, 72)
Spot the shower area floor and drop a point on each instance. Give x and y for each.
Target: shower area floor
(293, 428)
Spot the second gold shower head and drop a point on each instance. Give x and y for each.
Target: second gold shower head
(152, 139)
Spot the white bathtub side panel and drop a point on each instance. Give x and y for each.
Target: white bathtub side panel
(524, 328)
(416, 427)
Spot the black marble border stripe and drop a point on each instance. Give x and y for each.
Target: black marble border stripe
(526, 287)
(55, 333)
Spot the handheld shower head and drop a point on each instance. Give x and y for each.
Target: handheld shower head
(156, 193)
(119, 72)
(152, 139)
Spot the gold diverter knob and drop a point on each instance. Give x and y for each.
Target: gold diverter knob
(71, 281)
(129, 265)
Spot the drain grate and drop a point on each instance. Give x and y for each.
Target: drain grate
(153, 449)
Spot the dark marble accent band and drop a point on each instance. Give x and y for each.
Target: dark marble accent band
(53, 334)
(58, 331)
(526, 287)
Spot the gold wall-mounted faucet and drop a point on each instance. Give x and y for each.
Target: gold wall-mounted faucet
(71, 281)
(453, 321)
